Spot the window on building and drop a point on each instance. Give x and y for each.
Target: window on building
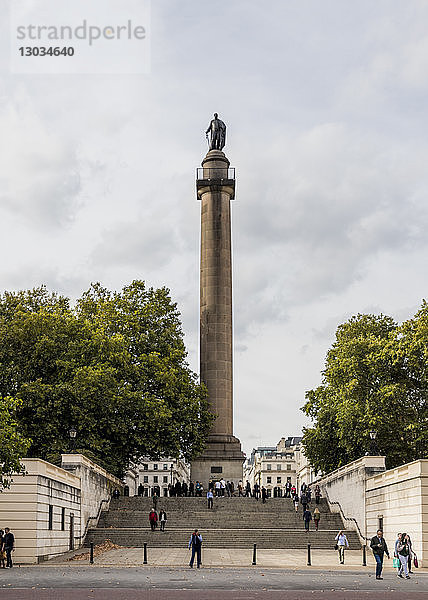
(269, 467)
(145, 479)
(380, 522)
(165, 467)
(165, 479)
(155, 479)
(50, 517)
(278, 480)
(278, 467)
(155, 467)
(63, 519)
(146, 467)
(288, 467)
(269, 479)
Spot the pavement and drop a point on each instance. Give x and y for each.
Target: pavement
(213, 557)
(227, 574)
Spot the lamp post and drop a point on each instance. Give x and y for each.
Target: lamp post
(72, 433)
(373, 446)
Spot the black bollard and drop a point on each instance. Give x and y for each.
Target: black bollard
(254, 554)
(364, 556)
(91, 554)
(309, 555)
(145, 554)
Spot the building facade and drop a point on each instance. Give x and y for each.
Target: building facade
(272, 466)
(152, 476)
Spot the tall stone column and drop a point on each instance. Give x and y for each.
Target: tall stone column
(215, 189)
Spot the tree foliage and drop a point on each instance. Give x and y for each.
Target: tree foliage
(114, 367)
(375, 378)
(13, 445)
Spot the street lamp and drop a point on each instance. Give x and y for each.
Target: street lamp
(72, 433)
(373, 435)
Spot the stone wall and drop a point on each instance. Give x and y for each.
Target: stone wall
(97, 486)
(345, 489)
(399, 498)
(24, 508)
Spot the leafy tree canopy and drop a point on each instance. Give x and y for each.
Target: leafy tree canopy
(375, 378)
(113, 367)
(13, 445)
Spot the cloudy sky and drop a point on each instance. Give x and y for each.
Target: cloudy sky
(326, 108)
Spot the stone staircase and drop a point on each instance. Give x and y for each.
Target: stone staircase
(232, 523)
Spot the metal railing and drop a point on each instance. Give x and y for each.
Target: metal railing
(208, 174)
(345, 518)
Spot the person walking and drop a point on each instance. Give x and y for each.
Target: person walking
(210, 499)
(411, 555)
(296, 503)
(403, 551)
(153, 519)
(2, 552)
(264, 494)
(222, 487)
(309, 494)
(317, 516)
(379, 548)
(293, 491)
(8, 546)
(304, 501)
(307, 517)
(248, 489)
(240, 488)
(162, 520)
(317, 494)
(342, 545)
(195, 544)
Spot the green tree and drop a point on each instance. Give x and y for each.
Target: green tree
(114, 367)
(375, 378)
(13, 446)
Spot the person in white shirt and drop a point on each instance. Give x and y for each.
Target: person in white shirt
(342, 543)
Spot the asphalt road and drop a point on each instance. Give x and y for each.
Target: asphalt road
(175, 583)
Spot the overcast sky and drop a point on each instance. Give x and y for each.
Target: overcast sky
(326, 108)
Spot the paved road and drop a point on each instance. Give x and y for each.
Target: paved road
(161, 583)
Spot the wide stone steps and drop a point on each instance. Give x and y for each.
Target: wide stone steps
(221, 538)
(240, 521)
(233, 523)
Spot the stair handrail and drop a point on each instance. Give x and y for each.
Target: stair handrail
(344, 518)
(105, 501)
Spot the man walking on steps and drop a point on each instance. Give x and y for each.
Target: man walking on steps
(379, 547)
(195, 544)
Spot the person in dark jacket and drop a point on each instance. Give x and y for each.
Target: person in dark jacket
(304, 501)
(8, 546)
(403, 551)
(264, 494)
(307, 517)
(195, 544)
(2, 552)
(317, 494)
(379, 547)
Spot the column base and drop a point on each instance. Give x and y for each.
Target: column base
(222, 458)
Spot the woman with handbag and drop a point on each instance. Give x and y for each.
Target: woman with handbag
(403, 551)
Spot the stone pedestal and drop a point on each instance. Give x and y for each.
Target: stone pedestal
(215, 188)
